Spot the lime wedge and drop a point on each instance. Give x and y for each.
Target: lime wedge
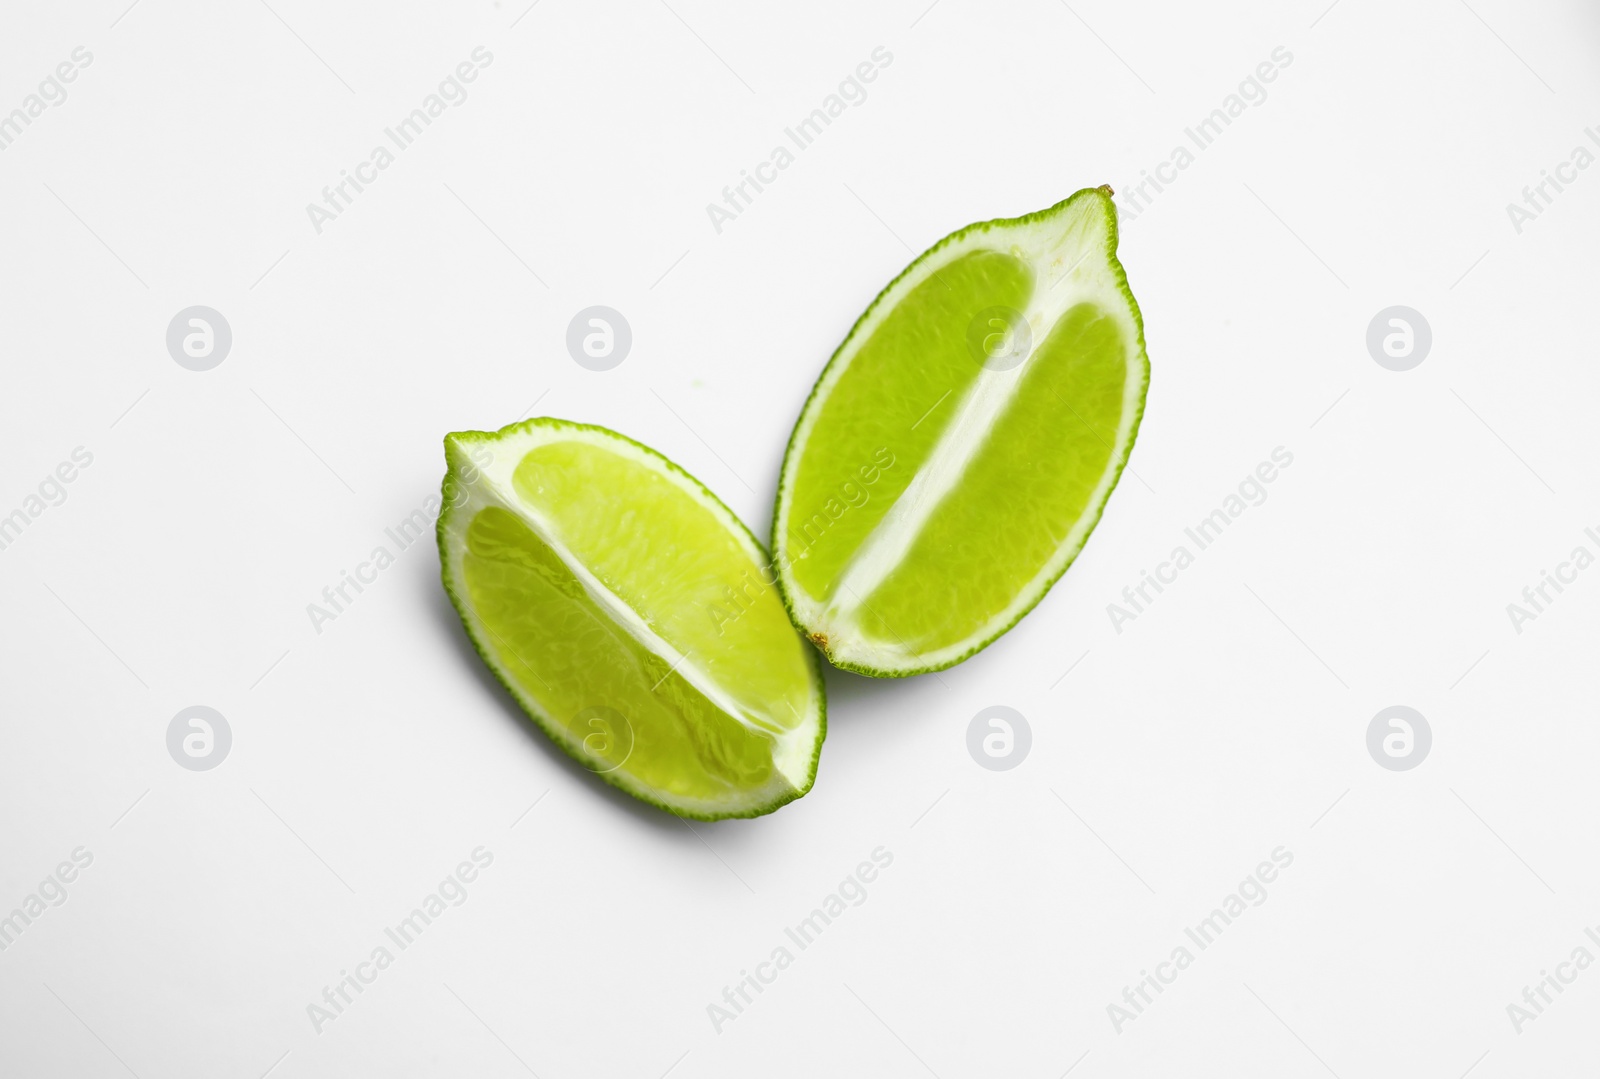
(632, 616)
(962, 442)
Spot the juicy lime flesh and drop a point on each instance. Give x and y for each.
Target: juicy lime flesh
(700, 592)
(1005, 445)
(624, 703)
(1023, 490)
(885, 414)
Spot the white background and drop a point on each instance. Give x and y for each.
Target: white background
(1228, 719)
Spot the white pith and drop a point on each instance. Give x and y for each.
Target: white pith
(1069, 252)
(491, 460)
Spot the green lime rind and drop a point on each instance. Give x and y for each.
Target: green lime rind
(1102, 196)
(451, 495)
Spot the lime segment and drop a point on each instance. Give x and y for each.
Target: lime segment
(700, 593)
(882, 425)
(1004, 375)
(1024, 491)
(624, 608)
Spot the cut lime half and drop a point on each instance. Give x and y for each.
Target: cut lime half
(632, 616)
(961, 444)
